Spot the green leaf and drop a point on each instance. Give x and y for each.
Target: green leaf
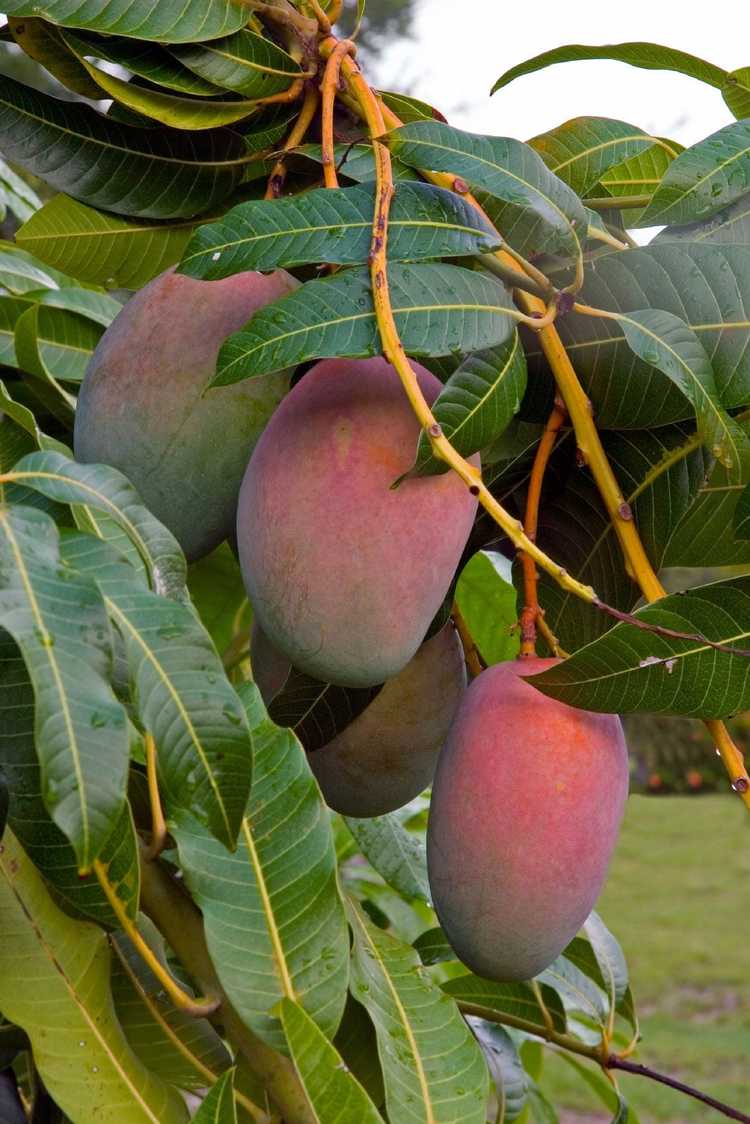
(316, 711)
(664, 341)
(477, 403)
(151, 173)
(487, 600)
(168, 22)
(742, 515)
(353, 161)
(333, 1092)
(505, 1066)
(335, 226)
(736, 92)
(433, 947)
(579, 992)
(706, 286)
(396, 854)
(609, 957)
(20, 273)
(182, 1050)
(16, 194)
(244, 62)
(649, 56)
(641, 174)
(11, 309)
(275, 925)
(100, 488)
(581, 151)
(438, 309)
(186, 702)
(732, 224)
(503, 167)
(54, 344)
(703, 179)
(59, 623)
(408, 108)
(99, 308)
(70, 1004)
(433, 1068)
(218, 593)
(149, 61)
(180, 112)
(355, 1041)
(629, 670)
(45, 44)
(606, 1092)
(103, 248)
(218, 1105)
(479, 997)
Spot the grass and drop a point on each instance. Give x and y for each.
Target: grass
(678, 898)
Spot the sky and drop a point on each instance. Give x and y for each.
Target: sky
(461, 48)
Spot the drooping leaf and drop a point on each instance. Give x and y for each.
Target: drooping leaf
(44, 43)
(630, 670)
(11, 309)
(275, 924)
(335, 226)
(355, 1041)
(60, 626)
(487, 601)
(649, 56)
(703, 179)
(477, 403)
(99, 308)
(581, 151)
(438, 309)
(100, 488)
(505, 168)
(611, 1097)
(334, 1093)
(21, 273)
(409, 108)
(169, 22)
(732, 224)
(79, 1047)
(354, 162)
(641, 174)
(55, 344)
(17, 195)
(609, 956)
(149, 61)
(316, 711)
(579, 992)
(432, 1066)
(151, 173)
(505, 1066)
(736, 92)
(396, 854)
(480, 997)
(244, 62)
(433, 947)
(664, 341)
(218, 1106)
(103, 248)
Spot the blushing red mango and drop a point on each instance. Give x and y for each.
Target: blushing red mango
(526, 807)
(387, 755)
(141, 407)
(345, 573)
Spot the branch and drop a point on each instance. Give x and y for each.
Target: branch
(613, 1062)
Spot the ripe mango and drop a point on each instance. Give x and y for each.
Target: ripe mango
(526, 806)
(344, 572)
(141, 408)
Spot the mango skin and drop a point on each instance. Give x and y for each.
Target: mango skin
(387, 755)
(526, 807)
(270, 668)
(344, 573)
(140, 407)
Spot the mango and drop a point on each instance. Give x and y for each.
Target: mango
(526, 807)
(344, 572)
(141, 408)
(270, 668)
(387, 755)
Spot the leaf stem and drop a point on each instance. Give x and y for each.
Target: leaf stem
(296, 136)
(617, 202)
(158, 825)
(199, 1008)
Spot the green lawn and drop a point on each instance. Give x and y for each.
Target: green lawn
(678, 898)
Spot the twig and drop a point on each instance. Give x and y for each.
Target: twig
(614, 1062)
(328, 88)
(617, 202)
(296, 136)
(474, 662)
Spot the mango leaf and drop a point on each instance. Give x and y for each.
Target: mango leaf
(736, 92)
(480, 997)
(581, 151)
(59, 624)
(102, 248)
(487, 601)
(706, 286)
(333, 1092)
(433, 947)
(275, 924)
(629, 670)
(438, 309)
(732, 224)
(355, 1041)
(664, 341)
(151, 173)
(503, 167)
(505, 1066)
(70, 1004)
(55, 344)
(649, 56)
(99, 308)
(44, 43)
(217, 592)
(335, 226)
(180, 112)
(579, 992)
(244, 62)
(182, 1050)
(170, 22)
(186, 702)
(703, 179)
(409, 108)
(432, 1066)
(11, 309)
(609, 957)
(18, 196)
(316, 711)
(218, 1106)
(21, 273)
(477, 403)
(641, 174)
(149, 61)
(396, 854)
(353, 161)
(100, 488)
(606, 1092)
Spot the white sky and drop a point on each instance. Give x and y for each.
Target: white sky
(461, 48)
